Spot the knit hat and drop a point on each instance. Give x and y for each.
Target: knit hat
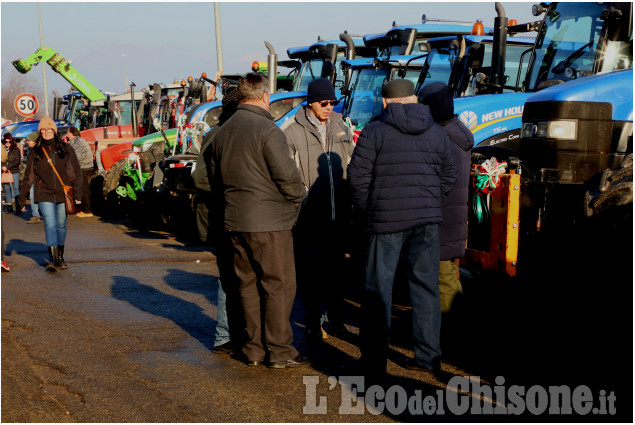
(32, 136)
(320, 89)
(46, 122)
(438, 96)
(7, 136)
(398, 88)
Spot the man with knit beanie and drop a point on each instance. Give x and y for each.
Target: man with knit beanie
(321, 145)
(453, 230)
(400, 171)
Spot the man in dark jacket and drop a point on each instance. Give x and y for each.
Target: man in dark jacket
(453, 230)
(86, 160)
(262, 192)
(321, 145)
(209, 220)
(400, 171)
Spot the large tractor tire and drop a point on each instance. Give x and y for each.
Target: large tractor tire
(116, 205)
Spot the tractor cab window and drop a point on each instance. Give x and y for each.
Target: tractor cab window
(280, 108)
(212, 117)
(365, 99)
(618, 55)
(439, 66)
(566, 46)
(512, 62)
(123, 113)
(313, 69)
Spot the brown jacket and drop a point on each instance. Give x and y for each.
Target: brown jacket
(40, 174)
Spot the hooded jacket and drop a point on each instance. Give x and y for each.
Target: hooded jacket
(322, 166)
(250, 163)
(40, 174)
(401, 169)
(453, 230)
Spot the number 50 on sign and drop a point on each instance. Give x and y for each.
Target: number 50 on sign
(26, 104)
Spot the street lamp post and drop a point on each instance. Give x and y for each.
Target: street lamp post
(46, 97)
(219, 48)
(123, 66)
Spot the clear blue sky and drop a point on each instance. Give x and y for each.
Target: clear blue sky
(166, 40)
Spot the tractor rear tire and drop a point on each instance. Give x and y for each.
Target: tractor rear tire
(115, 204)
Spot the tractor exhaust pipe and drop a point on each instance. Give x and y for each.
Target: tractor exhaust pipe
(272, 63)
(350, 46)
(497, 77)
(133, 112)
(350, 54)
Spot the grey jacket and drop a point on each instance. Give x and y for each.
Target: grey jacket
(322, 165)
(84, 153)
(250, 163)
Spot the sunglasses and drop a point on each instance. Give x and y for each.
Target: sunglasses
(325, 103)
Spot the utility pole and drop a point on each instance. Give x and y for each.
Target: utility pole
(125, 75)
(219, 48)
(46, 96)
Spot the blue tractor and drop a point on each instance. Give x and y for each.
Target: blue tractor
(565, 137)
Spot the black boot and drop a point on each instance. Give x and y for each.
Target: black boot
(60, 257)
(54, 259)
(9, 209)
(18, 209)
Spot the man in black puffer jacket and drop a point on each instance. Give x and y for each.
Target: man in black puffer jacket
(453, 231)
(400, 171)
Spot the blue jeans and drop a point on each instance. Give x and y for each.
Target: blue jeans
(11, 190)
(222, 326)
(419, 249)
(54, 222)
(35, 211)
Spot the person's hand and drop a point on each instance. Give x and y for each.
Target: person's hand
(77, 201)
(4, 168)
(23, 209)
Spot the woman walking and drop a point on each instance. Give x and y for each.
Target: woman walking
(11, 166)
(50, 155)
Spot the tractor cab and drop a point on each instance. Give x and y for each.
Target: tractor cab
(462, 62)
(368, 76)
(323, 60)
(581, 39)
(411, 39)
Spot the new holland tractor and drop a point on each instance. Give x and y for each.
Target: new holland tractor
(554, 159)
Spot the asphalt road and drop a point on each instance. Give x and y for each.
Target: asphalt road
(125, 335)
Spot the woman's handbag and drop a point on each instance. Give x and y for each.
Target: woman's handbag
(69, 196)
(7, 177)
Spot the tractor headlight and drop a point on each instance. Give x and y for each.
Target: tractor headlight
(541, 130)
(527, 129)
(562, 130)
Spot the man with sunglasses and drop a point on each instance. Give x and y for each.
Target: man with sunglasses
(321, 145)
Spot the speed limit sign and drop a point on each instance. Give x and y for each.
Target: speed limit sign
(26, 104)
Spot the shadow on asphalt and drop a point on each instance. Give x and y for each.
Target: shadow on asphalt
(38, 252)
(188, 316)
(196, 283)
